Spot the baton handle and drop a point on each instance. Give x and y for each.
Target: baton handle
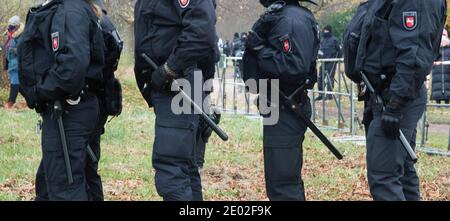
(222, 134)
(58, 112)
(405, 143)
(295, 108)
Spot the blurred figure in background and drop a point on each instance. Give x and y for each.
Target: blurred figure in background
(220, 45)
(235, 44)
(15, 29)
(329, 49)
(227, 48)
(440, 91)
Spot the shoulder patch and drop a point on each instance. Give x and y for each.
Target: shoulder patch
(55, 41)
(184, 3)
(286, 44)
(410, 20)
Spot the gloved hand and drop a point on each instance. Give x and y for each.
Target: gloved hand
(208, 67)
(32, 98)
(206, 130)
(162, 78)
(390, 120)
(258, 35)
(265, 24)
(254, 41)
(311, 78)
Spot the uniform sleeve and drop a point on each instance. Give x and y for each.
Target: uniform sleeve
(198, 34)
(71, 44)
(411, 31)
(289, 51)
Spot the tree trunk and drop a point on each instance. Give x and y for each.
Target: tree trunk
(3, 74)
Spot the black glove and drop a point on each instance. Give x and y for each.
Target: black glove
(206, 130)
(32, 99)
(264, 25)
(161, 80)
(208, 67)
(390, 120)
(311, 78)
(254, 41)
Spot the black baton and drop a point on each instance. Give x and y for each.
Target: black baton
(91, 154)
(380, 101)
(58, 111)
(296, 109)
(198, 109)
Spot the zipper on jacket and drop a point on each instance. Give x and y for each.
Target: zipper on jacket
(442, 73)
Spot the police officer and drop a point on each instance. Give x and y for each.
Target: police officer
(208, 68)
(110, 101)
(398, 44)
(236, 44)
(176, 35)
(330, 48)
(61, 55)
(284, 43)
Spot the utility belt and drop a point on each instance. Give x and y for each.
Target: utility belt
(91, 89)
(301, 98)
(84, 96)
(147, 73)
(381, 84)
(380, 81)
(88, 92)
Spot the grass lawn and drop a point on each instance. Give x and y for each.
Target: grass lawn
(234, 170)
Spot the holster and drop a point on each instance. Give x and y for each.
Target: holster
(301, 98)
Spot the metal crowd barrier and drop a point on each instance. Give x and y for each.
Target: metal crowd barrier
(230, 88)
(226, 82)
(340, 113)
(425, 126)
(343, 88)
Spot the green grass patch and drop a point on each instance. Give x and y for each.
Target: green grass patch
(234, 170)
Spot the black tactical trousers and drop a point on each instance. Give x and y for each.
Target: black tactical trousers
(177, 176)
(93, 179)
(200, 151)
(51, 178)
(13, 93)
(324, 80)
(283, 156)
(390, 171)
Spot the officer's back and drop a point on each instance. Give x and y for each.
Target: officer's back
(61, 58)
(300, 47)
(388, 46)
(398, 43)
(159, 26)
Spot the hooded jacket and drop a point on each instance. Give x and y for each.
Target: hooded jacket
(441, 77)
(11, 56)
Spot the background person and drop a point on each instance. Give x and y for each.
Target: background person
(440, 86)
(15, 29)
